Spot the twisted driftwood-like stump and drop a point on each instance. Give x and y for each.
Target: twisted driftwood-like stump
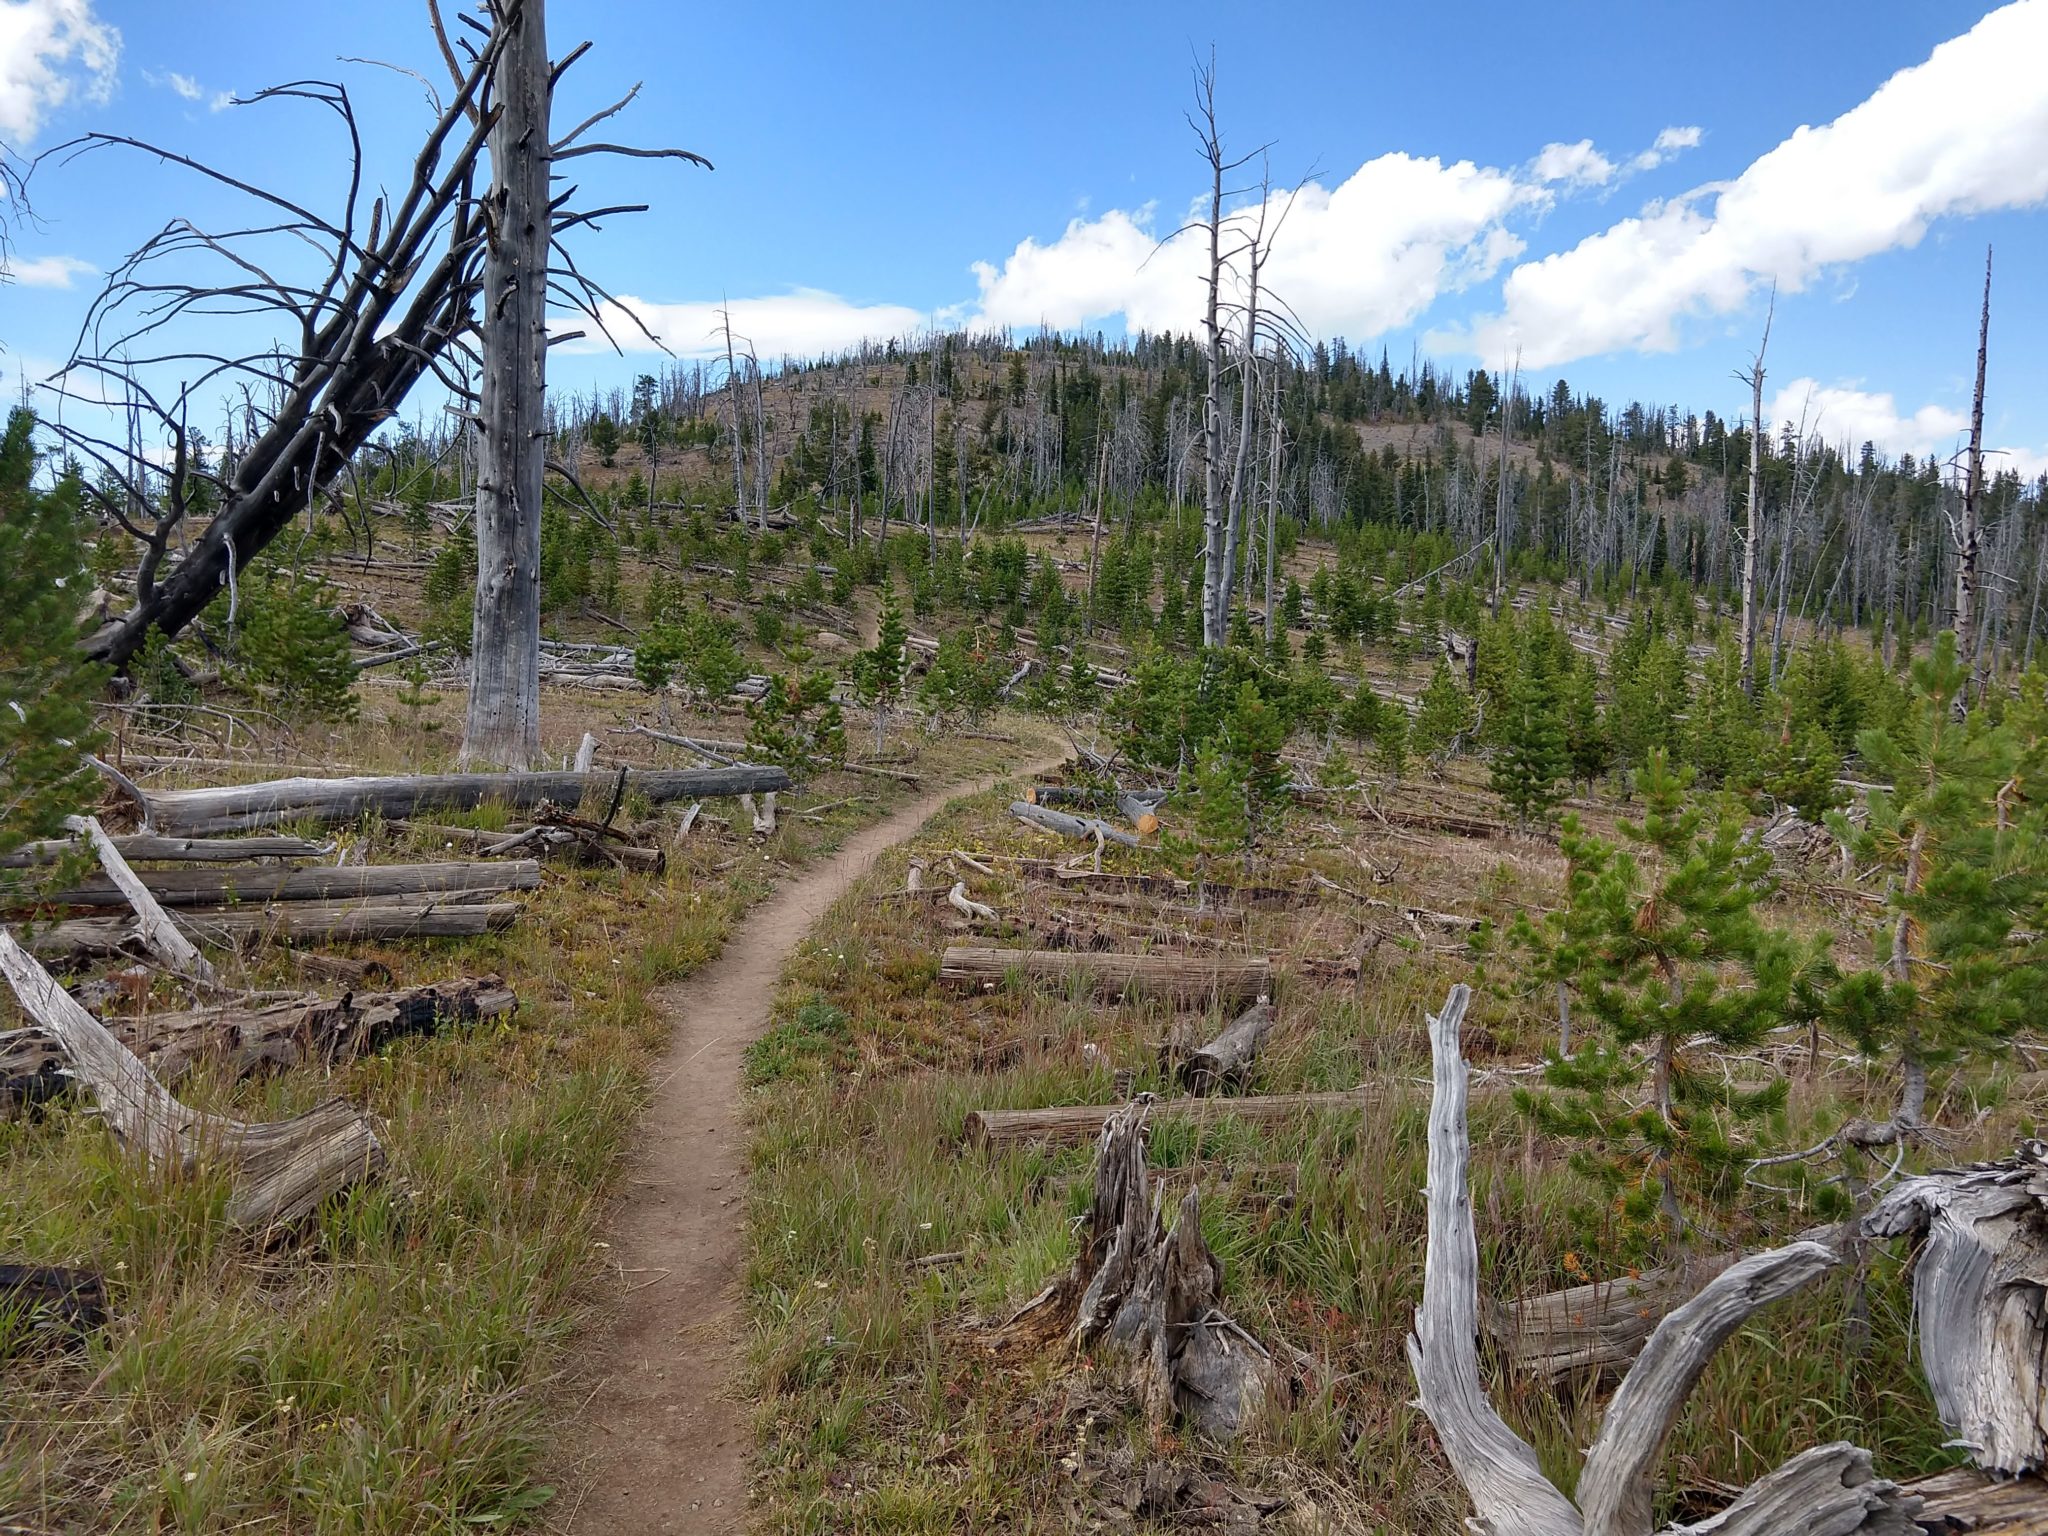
(1827, 1491)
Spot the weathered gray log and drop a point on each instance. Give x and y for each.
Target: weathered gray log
(1828, 1491)
(153, 926)
(1142, 814)
(217, 887)
(1967, 1500)
(1193, 978)
(139, 847)
(1086, 828)
(243, 1041)
(239, 807)
(47, 1298)
(1067, 1125)
(586, 754)
(282, 1171)
(1980, 1300)
(1229, 1056)
(423, 918)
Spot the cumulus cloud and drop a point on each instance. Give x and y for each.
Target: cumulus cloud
(1669, 144)
(45, 271)
(804, 322)
(1846, 417)
(1578, 164)
(1363, 257)
(1958, 134)
(50, 52)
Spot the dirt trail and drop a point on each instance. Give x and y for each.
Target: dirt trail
(661, 1445)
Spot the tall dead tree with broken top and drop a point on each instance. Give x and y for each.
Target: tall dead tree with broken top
(328, 345)
(1969, 531)
(502, 728)
(1752, 527)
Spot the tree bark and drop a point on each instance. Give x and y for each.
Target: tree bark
(1185, 977)
(503, 725)
(1979, 1304)
(217, 887)
(238, 807)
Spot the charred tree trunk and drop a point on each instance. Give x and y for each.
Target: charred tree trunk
(503, 726)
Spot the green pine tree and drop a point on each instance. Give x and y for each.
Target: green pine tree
(1444, 716)
(1530, 764)
(46, 689)
(1673, 968)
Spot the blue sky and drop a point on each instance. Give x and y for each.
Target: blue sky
(1608, 189)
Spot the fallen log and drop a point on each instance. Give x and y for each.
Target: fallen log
(1086, 828)
(1827, 1491)
(1228, 1058)
(1068, 1125)
(1964, 1499)
(47, 1299)
(281, 1171)
(141, 847)
(292, 921)
(153, 926)
(244, 1041)
(241, 806)
(1189, 978)
(218, 887)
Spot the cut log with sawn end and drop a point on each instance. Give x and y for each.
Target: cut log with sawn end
(1228, 1058)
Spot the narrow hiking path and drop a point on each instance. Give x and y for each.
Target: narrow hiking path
(661, 1444)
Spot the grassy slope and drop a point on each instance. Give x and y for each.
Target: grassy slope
(883, 1411)
(391, 1371)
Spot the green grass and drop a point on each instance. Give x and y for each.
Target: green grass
(882, 1406)
(394, 1368)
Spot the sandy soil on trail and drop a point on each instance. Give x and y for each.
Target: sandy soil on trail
(660, 1445)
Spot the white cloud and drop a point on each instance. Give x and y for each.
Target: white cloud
(1962, 133)
(1579, 164)
(1358, 259)
(49, 51)
(1670, 143)
(184, 85)
(1846, 417)
(805, 322)
(222, 100)
(45, 271)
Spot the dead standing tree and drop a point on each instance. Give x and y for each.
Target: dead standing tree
(1752, 525)
(502, 729)
(389, 297)
(1969, 532)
